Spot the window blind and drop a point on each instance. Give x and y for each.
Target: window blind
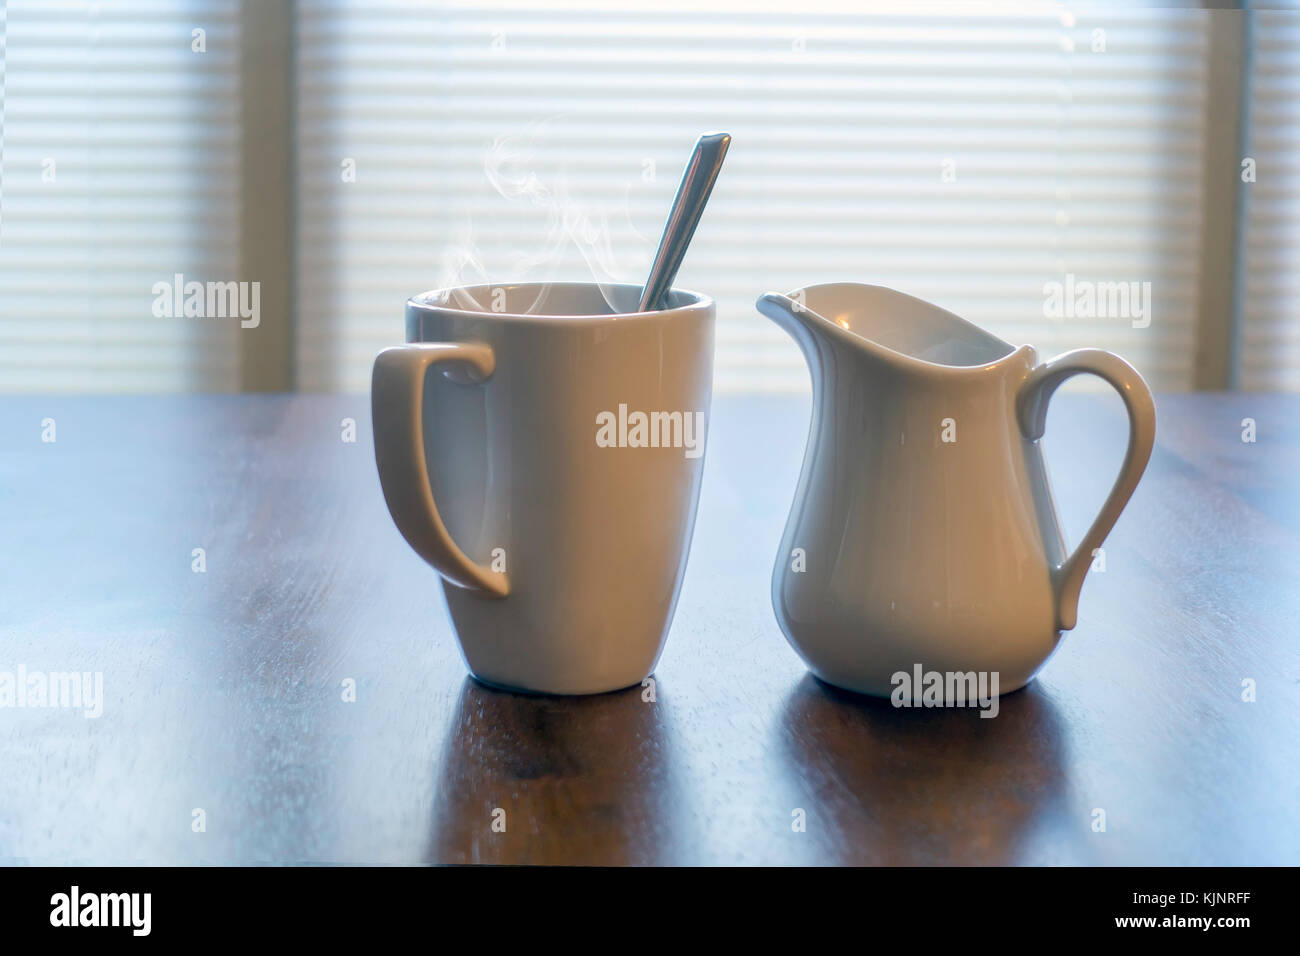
(3, 17)
(1269, 347)
(120, 170)
(971, 155)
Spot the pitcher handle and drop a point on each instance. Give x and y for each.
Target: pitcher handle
(397, 408)
(1031, 409)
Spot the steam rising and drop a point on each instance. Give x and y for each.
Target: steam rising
(516, 172)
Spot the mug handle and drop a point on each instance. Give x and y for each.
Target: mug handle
(397, 410)
(1031, 409)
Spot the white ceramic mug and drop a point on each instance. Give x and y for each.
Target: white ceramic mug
(542, 448)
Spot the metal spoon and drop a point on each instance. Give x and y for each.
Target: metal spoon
(692, 195)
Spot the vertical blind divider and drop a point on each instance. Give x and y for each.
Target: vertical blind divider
(1245, 130)
(267, 190)
(1225, 130)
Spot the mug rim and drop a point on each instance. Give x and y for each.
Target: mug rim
(699, 302)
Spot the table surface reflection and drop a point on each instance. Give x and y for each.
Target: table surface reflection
(223, 690)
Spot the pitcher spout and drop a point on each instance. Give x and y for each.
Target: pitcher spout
(799, 322)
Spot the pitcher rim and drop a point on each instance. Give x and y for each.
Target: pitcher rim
(892, 356)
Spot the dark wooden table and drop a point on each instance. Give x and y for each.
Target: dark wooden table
(223, 690)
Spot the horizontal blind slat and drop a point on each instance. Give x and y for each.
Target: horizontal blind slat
(1066, 161)
(1269, 345)
(121, 169)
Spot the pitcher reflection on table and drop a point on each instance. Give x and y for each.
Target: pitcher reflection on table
(923, 531)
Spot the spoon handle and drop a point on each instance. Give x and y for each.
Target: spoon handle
(692, 195)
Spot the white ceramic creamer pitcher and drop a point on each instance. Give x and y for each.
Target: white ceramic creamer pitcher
(923, 530)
